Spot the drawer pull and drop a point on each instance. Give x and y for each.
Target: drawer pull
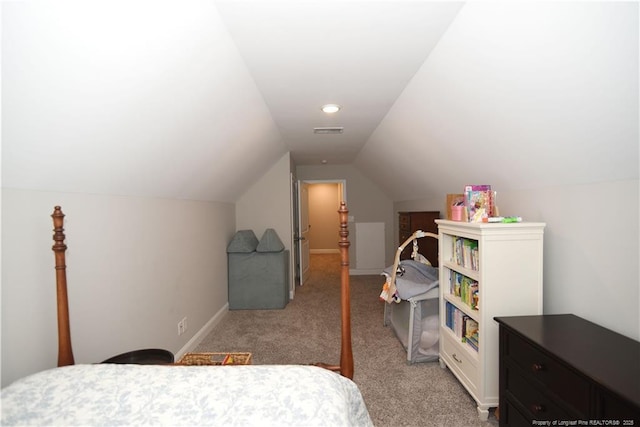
(456, 358)
(537, 408)
(537, 367)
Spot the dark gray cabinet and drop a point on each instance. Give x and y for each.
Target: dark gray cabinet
(409, 223)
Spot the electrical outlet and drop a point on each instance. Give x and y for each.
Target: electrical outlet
(184, 325)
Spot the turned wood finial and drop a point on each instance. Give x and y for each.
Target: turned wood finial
(58, 231)
(65, 353)
(344, 228)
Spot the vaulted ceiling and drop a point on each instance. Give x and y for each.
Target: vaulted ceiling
(198, 99)
(357, 54)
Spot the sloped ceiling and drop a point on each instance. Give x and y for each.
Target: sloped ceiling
(358, 54)
(519, 95)
(197, 99)
(137, 98)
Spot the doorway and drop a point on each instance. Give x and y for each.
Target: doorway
(316, 222)
(324, 201)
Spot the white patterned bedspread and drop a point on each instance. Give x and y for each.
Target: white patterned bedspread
(154, 395)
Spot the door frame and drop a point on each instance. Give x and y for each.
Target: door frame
(304, 245)
(295, 256)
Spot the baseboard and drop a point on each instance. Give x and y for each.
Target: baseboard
(324, 251)
(365, 271)
(203, 332)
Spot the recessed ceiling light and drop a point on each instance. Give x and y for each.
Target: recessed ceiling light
(330, 108)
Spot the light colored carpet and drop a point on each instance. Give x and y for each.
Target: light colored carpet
(308, 331)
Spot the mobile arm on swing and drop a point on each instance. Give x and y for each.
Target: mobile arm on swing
(417, 235)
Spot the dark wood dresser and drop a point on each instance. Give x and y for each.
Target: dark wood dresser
(568, 371)
(409, 223)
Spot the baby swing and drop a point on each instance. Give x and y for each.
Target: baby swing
(411, 295)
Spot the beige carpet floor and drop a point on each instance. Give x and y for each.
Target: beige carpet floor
(308, 331)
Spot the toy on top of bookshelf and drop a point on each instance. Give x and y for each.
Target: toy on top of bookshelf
(478, 200)
(456, 210)
(476, 204)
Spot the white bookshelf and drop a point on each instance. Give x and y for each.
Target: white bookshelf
(508, 273)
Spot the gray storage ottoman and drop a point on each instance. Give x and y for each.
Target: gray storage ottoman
(258, 271)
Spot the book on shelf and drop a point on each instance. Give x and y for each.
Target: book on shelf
(478, 200)
(470, 333)
(464, 288)
(463, 326)
(471, 330)
(472, 341)
(465, 252)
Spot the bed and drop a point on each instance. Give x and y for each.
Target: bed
(247, 395)
(412, 302)
(128, 394)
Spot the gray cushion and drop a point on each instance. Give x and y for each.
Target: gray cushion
(243, 241)
(270, 242)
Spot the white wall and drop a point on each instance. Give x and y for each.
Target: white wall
(591, 250)
(365, 201)
(135, 267)
(266, 203)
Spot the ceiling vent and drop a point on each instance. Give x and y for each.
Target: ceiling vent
(328, 130)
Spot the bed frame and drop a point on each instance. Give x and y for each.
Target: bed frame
(65, 352)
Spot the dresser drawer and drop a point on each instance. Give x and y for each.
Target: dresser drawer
(612, 408)
(534, 402)
(461, 362)
(558, 379)
(511, 417)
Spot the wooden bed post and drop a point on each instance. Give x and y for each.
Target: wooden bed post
(346, 352)
(65, 353)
